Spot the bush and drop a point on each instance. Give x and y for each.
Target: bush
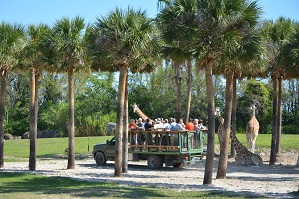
(290, 129)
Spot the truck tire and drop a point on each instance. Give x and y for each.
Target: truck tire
(178, 165)
(100, 159)
(155, 162)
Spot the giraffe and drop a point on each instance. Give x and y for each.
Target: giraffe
(243, 155)
(221, 125)
(252, 130)
(137, 110)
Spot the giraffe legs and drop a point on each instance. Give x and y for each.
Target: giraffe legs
(251, 144)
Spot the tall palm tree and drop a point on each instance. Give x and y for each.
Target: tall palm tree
(177, 46)
(276, 35)
(212, 25)
(69, 46)
(32, 58)
(189, 80)
(11, 41)
(238, 61)
(123, 41)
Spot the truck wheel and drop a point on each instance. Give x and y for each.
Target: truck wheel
(100, 158)
(154, 162)
(178, 165)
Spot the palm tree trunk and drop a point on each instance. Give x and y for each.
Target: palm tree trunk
(125, 132)
(222, 165)
(274, 124)
(2, 116)
(234, 115)
(33, 119)
(211, 126)
(71, 124)
(179, 90)
(189, 87)
(279, 115)
(123, 72)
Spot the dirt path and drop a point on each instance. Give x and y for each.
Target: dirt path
(270, 181)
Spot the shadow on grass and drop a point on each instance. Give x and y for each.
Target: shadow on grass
(22, 183)
(65, 156)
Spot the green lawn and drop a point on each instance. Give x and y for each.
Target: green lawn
(23, 185)
(289, 142)
(16, 150)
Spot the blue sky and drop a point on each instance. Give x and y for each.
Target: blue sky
(47, 11)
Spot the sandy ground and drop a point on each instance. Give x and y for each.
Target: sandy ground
(279, 181)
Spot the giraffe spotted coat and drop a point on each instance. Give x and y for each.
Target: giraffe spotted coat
(243, 155)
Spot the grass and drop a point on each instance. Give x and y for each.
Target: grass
(289, 142)
(18, 150)
(24, 185)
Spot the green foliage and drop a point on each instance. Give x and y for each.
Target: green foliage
(55, 117)
(96, 106)
(257, 93)
(155, 94)
(290, 129)
(123, 38)
(17, 104)
(11, 36)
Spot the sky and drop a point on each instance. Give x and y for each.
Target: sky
(48, 11)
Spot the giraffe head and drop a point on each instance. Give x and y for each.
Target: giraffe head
(252, 108)
(135, 107)
(217, 111)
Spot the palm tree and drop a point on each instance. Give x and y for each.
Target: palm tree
(11, 39)
(243, 62)
(69, 46)
(177, 46)
(212, 25)
(276, 35)
(238, 61)
(123, 41)
(32, 58)
(189, 79)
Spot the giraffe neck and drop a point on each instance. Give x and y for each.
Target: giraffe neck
(236, 143)
(253, 111)
(140, 113)
(220, 119)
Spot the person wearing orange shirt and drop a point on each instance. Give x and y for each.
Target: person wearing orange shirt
(190, 125)
(132, 125)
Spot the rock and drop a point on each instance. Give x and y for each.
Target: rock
(47, 134)
(17, 137)
(110, 128)
(26, 135)
(42, 134)
(8, 136)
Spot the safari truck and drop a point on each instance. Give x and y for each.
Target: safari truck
(172, 148)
